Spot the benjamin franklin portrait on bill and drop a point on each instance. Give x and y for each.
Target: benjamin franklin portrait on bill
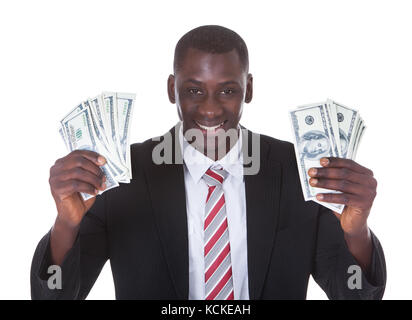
(314, 145)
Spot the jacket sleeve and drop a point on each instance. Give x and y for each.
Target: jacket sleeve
(81, 265)
(336, 270)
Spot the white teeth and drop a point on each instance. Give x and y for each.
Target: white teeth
(209, 128)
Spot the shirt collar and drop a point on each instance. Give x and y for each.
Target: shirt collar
(197, 163)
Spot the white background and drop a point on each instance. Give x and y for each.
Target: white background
(53, 54)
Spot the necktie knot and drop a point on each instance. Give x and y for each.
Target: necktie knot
(215, 177)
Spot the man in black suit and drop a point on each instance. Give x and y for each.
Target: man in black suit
(211, 229)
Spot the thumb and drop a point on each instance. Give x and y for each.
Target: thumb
(93, 157)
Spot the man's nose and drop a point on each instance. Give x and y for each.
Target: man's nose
(210, 108)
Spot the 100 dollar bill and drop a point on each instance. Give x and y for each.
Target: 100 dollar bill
(125, 105)
(80, 136)
(313, 140)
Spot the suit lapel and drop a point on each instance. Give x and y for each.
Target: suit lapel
(167, 192)
(262, 211)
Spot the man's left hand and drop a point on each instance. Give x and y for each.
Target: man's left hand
(358, 187)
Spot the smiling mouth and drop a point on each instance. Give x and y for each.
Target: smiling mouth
(210, 129)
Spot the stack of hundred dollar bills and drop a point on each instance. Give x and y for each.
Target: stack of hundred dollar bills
(102, 125)
(325, 129)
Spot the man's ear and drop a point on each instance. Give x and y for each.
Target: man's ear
(171, 88)
(249, 88)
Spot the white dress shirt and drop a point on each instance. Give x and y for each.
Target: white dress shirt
(195, 165)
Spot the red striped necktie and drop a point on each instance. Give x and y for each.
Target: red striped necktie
(218, 264)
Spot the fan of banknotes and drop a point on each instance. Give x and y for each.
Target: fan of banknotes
(325, 129)
(102, 124)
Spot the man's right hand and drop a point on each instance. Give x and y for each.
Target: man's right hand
(77, 172)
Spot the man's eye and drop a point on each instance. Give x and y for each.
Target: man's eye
(227, 91)
(194, 91)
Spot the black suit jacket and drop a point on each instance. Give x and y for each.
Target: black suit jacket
(142, 228)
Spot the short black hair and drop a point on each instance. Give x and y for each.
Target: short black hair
(211, 39)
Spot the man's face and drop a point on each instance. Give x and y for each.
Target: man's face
(209, 91)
